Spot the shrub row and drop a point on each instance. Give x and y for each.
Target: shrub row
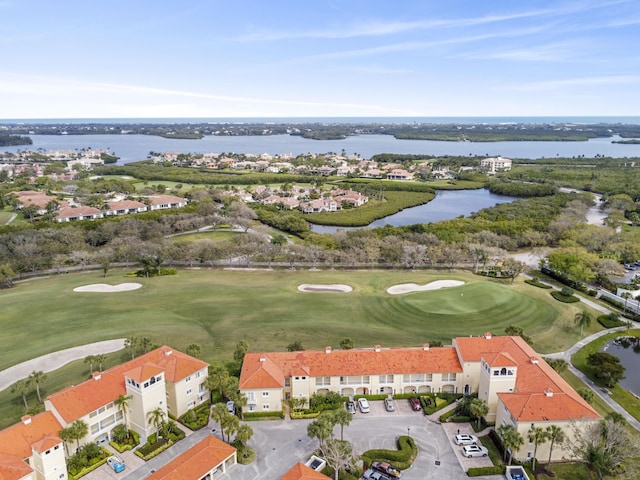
(402, 458)
(263, 415)
(607, 322)
(150, 450)
(303, 414)
(196, 418)
(620, 305)
(564, 298)
(372, 397)
(538, 284)
(481, 471)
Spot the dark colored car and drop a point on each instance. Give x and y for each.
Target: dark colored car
(415, 404)
(350, 406)
(388, 469)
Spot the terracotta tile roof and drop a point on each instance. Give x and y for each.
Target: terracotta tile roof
(79, 400)
(500, 360)
(301, 472)
(13, 468)
(45, 443)
(534, 377)
(143, 372)
(125, 205)
(196, 462)
(70, 212)
(18, 439)
(278, 365)
(162, 199)
(538, 407)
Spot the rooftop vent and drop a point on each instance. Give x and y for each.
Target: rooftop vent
(97, 375)
(26, 419)
(548, 392)
(377, 348)
(262, 359)
(327, 349)
(487, 335)
(425, 346)
(534, 360)
(168, 352)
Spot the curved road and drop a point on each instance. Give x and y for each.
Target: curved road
(55, 360)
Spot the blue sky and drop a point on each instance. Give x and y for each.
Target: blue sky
(270, 58)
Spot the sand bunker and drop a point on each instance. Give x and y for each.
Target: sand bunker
(106, 288)
(414, 287)
(309, 287)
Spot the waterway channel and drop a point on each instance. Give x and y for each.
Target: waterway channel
(628, 351)
(446, 205)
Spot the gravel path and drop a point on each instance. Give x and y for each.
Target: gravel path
(55, 360)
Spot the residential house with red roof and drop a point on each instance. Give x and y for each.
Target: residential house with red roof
(159, 202)
(163, 378)
(520, 388)
(124, 207)
(208, 457)
(71, 214)
(301, 472)
(32, 450)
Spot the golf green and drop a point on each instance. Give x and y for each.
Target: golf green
(218, 308)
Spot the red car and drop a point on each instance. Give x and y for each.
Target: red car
(415, 404)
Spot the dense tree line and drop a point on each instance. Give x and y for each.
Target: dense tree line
(12, 140)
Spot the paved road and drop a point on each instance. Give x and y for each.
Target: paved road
(55, 360)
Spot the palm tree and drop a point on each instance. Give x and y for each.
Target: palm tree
(243, 435)
(320, 428)
(217, 378)
(100, 359)
(122, 404)
(66, 435)
(218, 413)
(538, 436)
(156, 417)
(132, 344)
(478, 408)
(556, 436)
(583, 319)
(22, 387)
(37, 378)
(230, 423)
(343, 418)
(145, 343)
(512, 441)
(90, 359)
(79, 430)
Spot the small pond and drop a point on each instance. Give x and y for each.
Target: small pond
(627, 349)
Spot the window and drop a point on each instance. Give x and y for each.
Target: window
(188, 379)
(323, 380)
(251, 396)
(95, 428)
(191, 404)
(152, 380)
(287, 382)
(386, 379)
(265, 394)
(252, 408)
(198, 374)
(146, 384)
(448, 377)
(189, 392)
(265, 406)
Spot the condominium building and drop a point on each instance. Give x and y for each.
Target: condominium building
(520, 388)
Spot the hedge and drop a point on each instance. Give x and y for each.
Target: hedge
(303, 415)
(381, 396)
(445, 416)
(263, 415)
(196, 418)
(402, 458)
(150, 450)
(563, 298)
(91, 467)
(538, 284)
(608, 322)
(481, 471)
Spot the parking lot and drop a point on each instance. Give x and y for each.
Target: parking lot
(279, 444)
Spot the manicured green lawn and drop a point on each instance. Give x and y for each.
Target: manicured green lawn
(186, 187)
(218, 308)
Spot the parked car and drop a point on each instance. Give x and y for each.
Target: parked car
(415, 404)
(363, 404)
(116, 463)
(231, 407)
(465, 439)
(475, 451)
(388, 404)
(387, 469)
(371, 474)
(350, 406)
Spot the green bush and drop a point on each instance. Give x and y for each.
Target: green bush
(563, 298)
(482, 471)
(538, 284)
(402, 458)
(460, 419)
(372, 397)
(446, 416)
(262, 415)
(303, 414)
(610, 321)
(196, 418)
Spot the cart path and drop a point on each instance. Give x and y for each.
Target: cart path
(55, 360)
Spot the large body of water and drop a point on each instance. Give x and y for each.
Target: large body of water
(132, 148)
(447, 204)
(629, 355)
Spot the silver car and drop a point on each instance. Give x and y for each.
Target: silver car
(363, 404)
(475, 451)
